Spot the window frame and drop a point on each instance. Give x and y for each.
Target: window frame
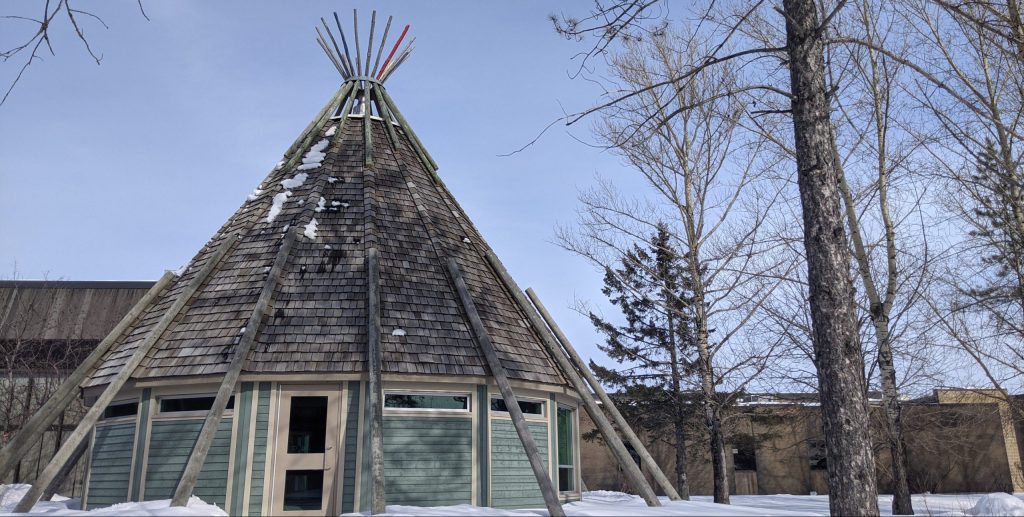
(543, 407)
(468, 409)
(124, 418)
(201, 412)
(574, 470)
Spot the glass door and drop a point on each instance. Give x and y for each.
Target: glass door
(306, 451)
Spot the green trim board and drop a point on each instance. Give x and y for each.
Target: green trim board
(513, 484)
(553, 437)
(259, 455)
(170, 445)
(244, 413)
(142, 432)
(109, 478)
(351, 445)
(483, 411)
(428, 461)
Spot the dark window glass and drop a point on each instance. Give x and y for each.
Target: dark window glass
(121, 409)
(394, 400)
(307, 427)
(566, 477)
(168, 405)
(303, 489)
(816, 454)
(528, 407)
(744, 454)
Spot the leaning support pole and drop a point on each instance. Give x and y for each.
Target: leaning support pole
(629, 467)
(373, 352)
(227, 387)
(93, 415)
(547, 486)
(620, 422)
(15, 449)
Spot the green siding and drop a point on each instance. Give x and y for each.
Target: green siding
(483, 411)
(428, 461)
(513, 484)
(140, 442)
(348, 491)
(259, 455)
(170, 446)
(110, 465)
(244, 410)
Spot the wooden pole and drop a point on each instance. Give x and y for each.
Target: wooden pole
(367, 126)
(620, 422)
(348, 57)
(316, 123)
(93, 415)
(380, 48)
(13, 452)
(373, 333)
(629, 467)
(369, 42)
(547, 487)
(408, 129)
(58, 480)
(227, 387)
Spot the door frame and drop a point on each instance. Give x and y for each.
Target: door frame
(334, 475)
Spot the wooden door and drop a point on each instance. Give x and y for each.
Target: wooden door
(306, 456)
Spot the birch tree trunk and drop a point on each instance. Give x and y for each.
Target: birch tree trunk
(837, 351)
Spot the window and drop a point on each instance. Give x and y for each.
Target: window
(426, 402)
(307, 426)
(816, 454)
(528, 407)
(566, 472)
(303, 490)
(183, 404)
(121, 409)
(744, 453)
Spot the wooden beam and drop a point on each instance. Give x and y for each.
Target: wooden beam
(408, 129)
(629, 467)
(317, 122)
(373, 333)
(547, 486)
(227, 387)
(114, 387)
(15, 449)
(367, 125)
(620, 422)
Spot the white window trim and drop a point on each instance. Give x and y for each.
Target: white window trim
(469, 401)
(177, 414)
(543, 407)
(121, 419)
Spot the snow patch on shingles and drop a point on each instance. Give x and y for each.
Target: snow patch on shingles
(466, 240)
(398, 332)
(295, 182)
(255, 193)
(310, 230)
(321, 205)
(277, 205)
(331, 179)
(315, 156)
(330, 132)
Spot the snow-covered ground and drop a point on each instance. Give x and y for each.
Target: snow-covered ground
(594, 504)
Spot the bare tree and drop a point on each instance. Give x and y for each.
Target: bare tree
(38, 40)
(703, 179)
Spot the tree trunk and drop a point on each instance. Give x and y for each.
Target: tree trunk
(901, 504)
(837, 351)
(680, 421)
(718, 463)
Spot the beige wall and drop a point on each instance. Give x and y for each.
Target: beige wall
(952, 447)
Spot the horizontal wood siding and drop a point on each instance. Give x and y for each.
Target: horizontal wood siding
(348, 490)
(428, 461)
(259, 452)
(513, 484)
(111, 464)
(170, 445)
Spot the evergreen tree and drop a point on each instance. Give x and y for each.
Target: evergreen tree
(655, 346)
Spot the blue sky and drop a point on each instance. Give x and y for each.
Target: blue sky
(120, 171)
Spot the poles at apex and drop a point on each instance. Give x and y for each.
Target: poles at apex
(341, 57)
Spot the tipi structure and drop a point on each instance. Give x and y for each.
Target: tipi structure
(346, 339)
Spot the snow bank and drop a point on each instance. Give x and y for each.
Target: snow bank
(999, 503)
(59, 505)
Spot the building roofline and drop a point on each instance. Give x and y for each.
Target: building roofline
(77, 284)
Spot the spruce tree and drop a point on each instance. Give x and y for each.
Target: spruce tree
(655, 346)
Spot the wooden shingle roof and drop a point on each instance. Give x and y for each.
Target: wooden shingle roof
(317, 321)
